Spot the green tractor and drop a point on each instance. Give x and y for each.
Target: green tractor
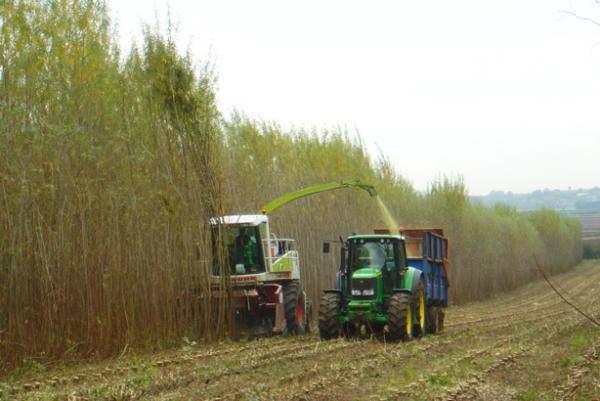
(383, 290)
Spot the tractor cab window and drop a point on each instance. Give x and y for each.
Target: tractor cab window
(369, 254)
(390, 260)
(244, 252)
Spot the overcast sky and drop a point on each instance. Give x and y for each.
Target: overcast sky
(504, 93)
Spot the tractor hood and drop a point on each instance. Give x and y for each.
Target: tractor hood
(367, 272)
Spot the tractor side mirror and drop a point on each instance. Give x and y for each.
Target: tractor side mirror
(325, 247)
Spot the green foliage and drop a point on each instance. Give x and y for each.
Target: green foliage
(188, 345)
(570, 360)
(505, 210)
(591, 249)
(441, 379)
(582, 339)
(29, 366)
(561, 238)
(527, 396)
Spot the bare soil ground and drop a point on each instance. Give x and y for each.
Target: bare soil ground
(523, 345)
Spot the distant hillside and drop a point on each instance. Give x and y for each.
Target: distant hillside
(583, 204)
(575, 199)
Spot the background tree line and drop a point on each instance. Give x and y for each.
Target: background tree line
(111, 165)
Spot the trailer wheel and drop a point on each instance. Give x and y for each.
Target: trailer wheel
(329, 326)
(400, 325)
(431, 322)
(293, 304)
(420, 310)
(440, 319)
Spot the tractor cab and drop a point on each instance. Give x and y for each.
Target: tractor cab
(378, 258)
(375, 252)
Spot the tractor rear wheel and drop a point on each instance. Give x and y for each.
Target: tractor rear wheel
(293, 304)
(329, 326)
(420, 308)
(400, 325)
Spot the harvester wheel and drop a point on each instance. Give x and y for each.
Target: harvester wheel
(400, 325)
(293, 304)
(308, 316)
(420, 310)
(329, 310)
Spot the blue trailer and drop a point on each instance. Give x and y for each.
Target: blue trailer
(428, 250)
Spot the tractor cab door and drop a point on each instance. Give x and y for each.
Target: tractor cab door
(390, 270)
(395, 266)
(400, 256)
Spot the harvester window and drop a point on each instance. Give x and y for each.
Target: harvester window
(243, 250)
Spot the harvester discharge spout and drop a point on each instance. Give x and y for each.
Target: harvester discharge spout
(271, 206)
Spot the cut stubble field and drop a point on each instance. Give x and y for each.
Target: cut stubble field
(524, 345)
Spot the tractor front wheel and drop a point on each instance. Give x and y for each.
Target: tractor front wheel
(400, 326)
(329, 326)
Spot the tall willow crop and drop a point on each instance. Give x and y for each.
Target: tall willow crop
(108, 175)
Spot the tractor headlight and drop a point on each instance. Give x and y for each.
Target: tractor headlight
(364, 288)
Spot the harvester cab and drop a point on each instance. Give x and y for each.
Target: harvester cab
(252, 249)
(263, 270)
(382, 288)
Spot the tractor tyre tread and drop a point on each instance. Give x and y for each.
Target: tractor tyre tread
(397, 310)
(328, 316)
